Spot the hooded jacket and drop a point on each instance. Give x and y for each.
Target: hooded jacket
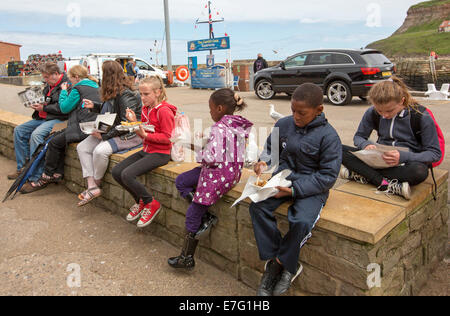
(222, 159)
(398, 132)
(51, 109)
(313, 154)
(162, 117)
(73, 105)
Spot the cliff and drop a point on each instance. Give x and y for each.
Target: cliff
(425, 12)
(418, 35)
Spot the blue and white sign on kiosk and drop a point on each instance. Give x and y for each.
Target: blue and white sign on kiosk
(209, 44)
(214, 76)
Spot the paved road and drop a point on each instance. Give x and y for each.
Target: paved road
(39, 242)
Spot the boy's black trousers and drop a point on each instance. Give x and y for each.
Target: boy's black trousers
(303, 214)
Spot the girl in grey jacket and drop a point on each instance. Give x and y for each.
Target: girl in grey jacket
(391, 117)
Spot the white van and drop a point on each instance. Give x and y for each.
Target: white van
(94, 62)
(68, 63)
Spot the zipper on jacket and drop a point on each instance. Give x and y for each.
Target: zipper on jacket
(391, 132)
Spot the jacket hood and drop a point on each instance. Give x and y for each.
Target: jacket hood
(237, 124)
(88, 83)
(167, 105)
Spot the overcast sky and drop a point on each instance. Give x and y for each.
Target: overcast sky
(275, 28)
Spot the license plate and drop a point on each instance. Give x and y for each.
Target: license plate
(387, 74)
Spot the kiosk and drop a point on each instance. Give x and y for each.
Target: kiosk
(214, 76)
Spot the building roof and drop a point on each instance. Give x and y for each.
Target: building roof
(445, 24)
(10, 44)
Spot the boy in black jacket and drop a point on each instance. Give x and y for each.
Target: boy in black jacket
(310, 147)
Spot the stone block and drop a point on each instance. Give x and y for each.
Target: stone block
(411, 243)
(250, 277)
(248, 250)
(219, 261)
(225, 243)
(314, 281)
(175, 222)
(337, 268)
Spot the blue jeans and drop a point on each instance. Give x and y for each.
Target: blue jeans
(27, 137)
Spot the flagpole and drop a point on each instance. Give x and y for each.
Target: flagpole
(168, 46)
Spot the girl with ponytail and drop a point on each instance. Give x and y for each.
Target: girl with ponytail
(160, 115)
(222, 161)
(392, 115)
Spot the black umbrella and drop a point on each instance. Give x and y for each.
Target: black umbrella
(29, 168)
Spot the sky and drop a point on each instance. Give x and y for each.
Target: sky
(277, 29)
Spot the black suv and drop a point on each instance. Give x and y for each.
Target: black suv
(341, 74)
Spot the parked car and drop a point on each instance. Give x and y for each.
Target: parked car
(341, 74)
(94, 62)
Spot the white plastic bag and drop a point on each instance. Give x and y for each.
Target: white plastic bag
(181, 136)
(251, 151)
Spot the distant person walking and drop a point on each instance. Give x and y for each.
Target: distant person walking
(260, 64)
(130, 68)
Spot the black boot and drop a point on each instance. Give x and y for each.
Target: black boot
(186, 259)
(208, 221)
(190, 197)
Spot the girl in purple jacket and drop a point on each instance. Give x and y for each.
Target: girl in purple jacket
(222, 161)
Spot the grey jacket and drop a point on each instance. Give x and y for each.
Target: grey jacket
(312, 153)
(398, 132)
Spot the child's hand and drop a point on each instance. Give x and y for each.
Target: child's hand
(260, 167)
(88, 104)
(38, 107)
(284, 192)
(97, 135)
(392, 158)
(370, 147)
(131, 116)
(64, 86)
(141, 132)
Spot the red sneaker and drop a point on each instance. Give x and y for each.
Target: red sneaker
(135, 211)
(149, 213)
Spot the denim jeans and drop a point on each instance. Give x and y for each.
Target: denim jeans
(27, 137)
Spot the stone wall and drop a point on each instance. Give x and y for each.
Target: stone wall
(404, 240)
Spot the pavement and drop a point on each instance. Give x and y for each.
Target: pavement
(49, 247)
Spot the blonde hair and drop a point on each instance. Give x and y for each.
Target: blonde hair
(391, 90)
(156, 83)
(81, 72)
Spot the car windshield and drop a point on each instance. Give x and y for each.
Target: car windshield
(375, 59)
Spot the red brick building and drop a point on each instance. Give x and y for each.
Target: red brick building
(8, 50)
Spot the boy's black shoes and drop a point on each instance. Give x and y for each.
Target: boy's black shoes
(270, 278)
(285, 281)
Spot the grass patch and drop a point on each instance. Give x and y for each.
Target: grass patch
(429, 4)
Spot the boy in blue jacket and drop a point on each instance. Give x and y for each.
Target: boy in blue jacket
(311, 148)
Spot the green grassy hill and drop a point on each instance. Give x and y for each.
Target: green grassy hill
(419, 39)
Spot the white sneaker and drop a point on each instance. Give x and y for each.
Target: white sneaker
(350, 175)
(394, 187)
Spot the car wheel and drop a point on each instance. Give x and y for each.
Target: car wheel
(264, 90)
(339, 93)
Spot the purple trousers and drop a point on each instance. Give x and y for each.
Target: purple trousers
(187, 183)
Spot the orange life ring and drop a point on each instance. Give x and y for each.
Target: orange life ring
(182, 73)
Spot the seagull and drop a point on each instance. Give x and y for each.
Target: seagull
(275, 115)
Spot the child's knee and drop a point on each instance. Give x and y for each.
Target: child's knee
(117, 173)
(420, 174)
